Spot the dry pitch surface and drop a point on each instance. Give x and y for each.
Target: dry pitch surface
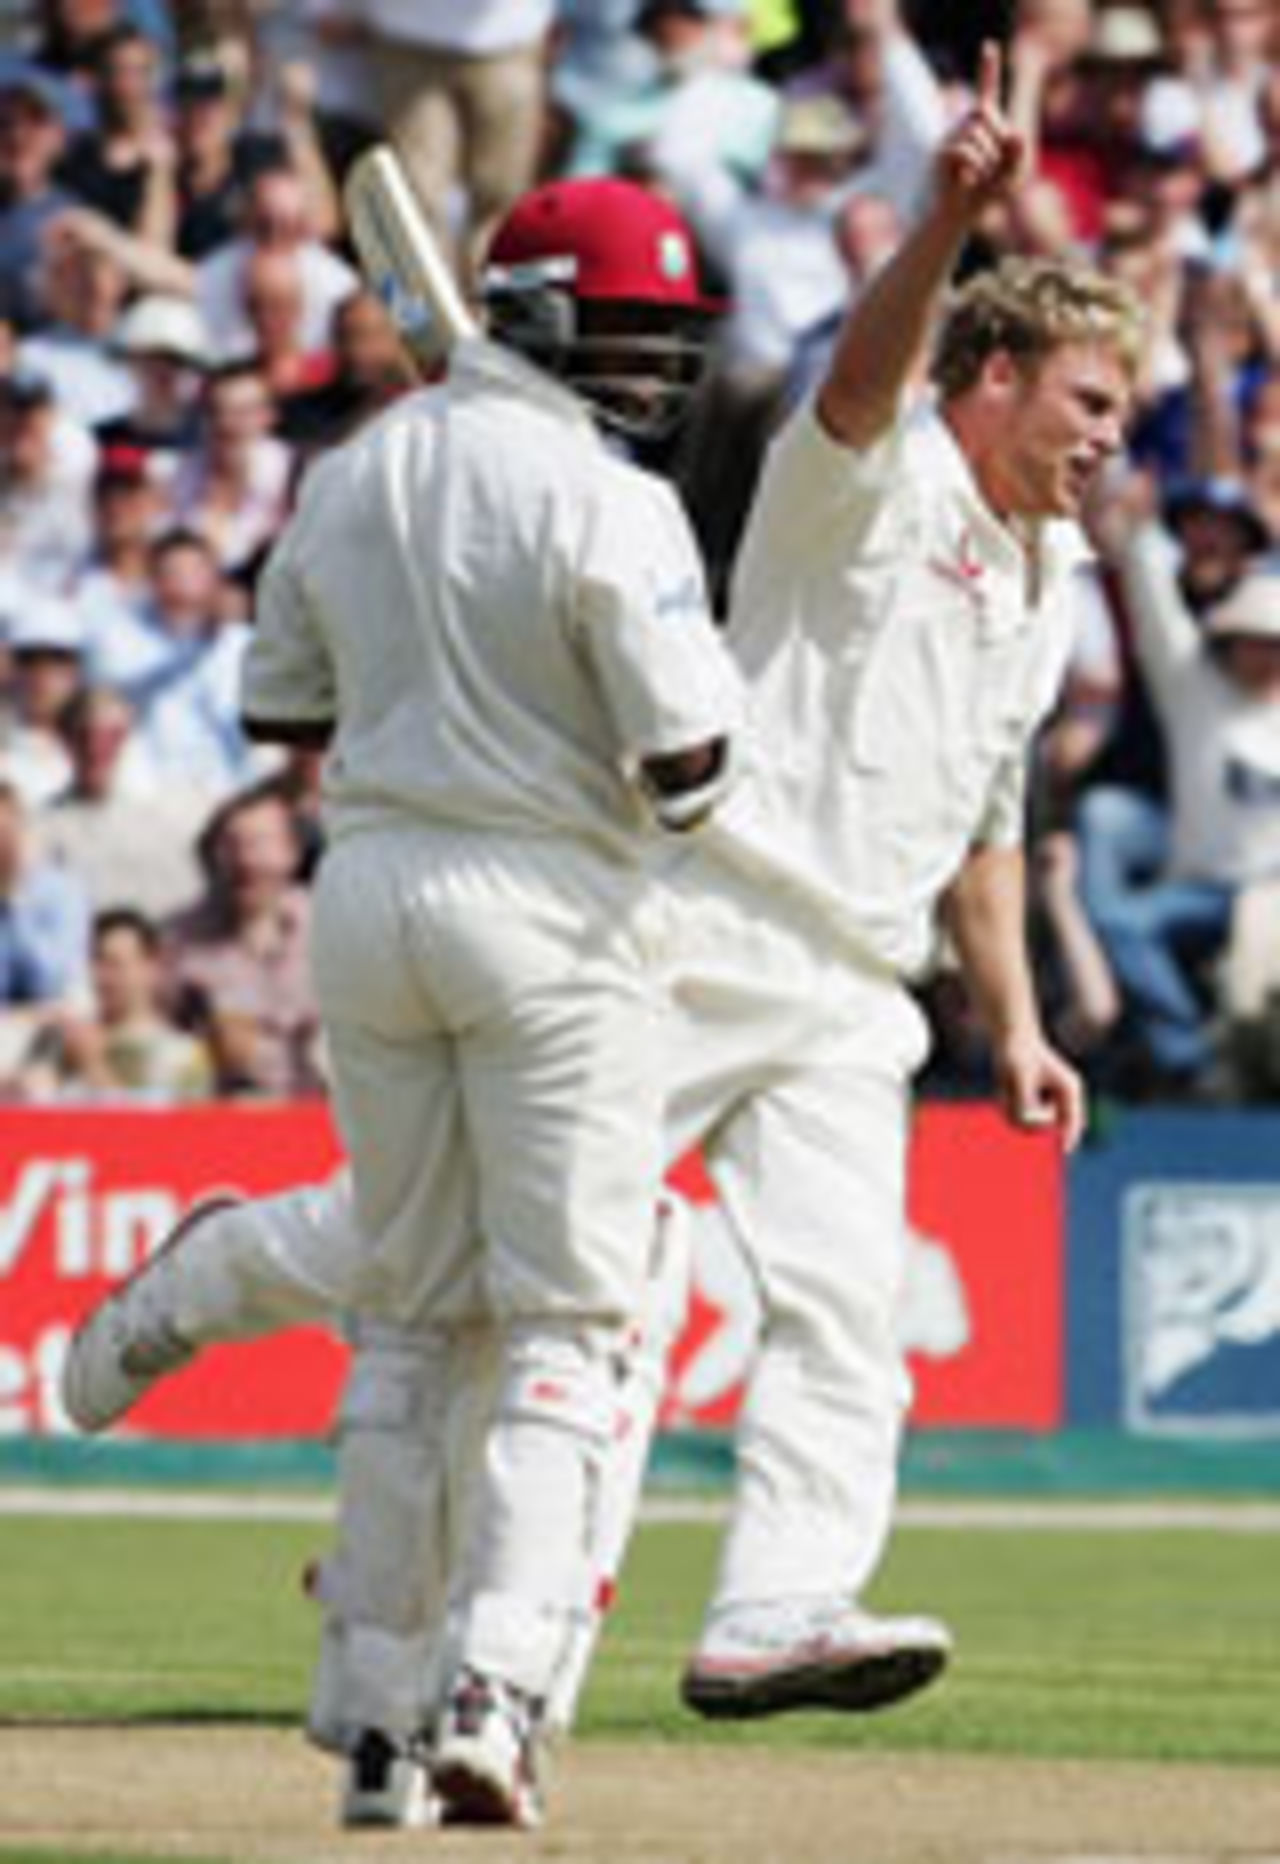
(246, 1795)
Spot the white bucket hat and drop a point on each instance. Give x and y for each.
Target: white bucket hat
(165, 326)
(1252, 608)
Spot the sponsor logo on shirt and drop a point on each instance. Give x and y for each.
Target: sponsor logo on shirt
(682, 599)
(964, 569)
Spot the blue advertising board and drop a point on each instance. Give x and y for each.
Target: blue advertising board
(1173, 1300)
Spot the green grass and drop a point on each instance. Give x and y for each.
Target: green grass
(154, 1620)
(1141, 1645)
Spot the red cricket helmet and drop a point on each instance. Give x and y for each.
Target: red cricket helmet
(596, 280)
(614, 239)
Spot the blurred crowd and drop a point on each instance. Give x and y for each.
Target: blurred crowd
(182, 329)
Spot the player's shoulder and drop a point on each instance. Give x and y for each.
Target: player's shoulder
(530, 420)
(340, 463)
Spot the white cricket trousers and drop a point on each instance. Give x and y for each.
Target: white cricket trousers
(494, 1023)
(792, 1063)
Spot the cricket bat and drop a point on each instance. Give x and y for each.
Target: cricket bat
(400, 258)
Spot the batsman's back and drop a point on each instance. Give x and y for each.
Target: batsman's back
(468, 586)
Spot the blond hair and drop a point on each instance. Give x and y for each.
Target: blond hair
(1027, 308)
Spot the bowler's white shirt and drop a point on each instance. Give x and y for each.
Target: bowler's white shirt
(899, 660)
(502, 617)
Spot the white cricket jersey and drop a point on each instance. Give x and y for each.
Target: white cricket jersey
(500, 618)
(898, 660)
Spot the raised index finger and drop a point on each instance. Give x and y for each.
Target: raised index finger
(990, 75)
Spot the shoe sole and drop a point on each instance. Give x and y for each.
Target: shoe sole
(468, 1796)
(72, 1382)
(857, 1684)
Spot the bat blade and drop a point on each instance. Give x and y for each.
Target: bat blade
(400, 258)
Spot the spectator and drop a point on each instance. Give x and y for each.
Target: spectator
(222, 29)
(220, 154)
(597, 57)
(119, 832)
(47, 462)
(82, 291)
(278, 219)
(32, 138)
(125, 1046)
(1081, 993)
(184, 677)
(165, 348)
(217, 157)
(273, 293)
(866, 231)
(1218, 532)
(1105, 755)
(238, 965)
(1165, 912)
(234, 488)
(1161, 189)
(73, 33)
(124, 166)
(694, 117)
(1192, 429)
(287, 101)
(138, 646)
(1211, 533)
(1261, 448)
(46, 647)
(1249, 977)
(44, 934)
(876, 69)
(329, 38)
(786, 261)
(1219, 93)
(110, 588)
(371, 367)
(1255, 250)
(776, 247)
(1080, 73)
(1143, 257)
(461, 90)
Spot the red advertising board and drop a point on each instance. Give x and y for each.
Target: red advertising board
(982, 1318)
(84, 1195)
(989, 1200)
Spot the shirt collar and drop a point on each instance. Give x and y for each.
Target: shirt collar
(1058, 544)
(478, 365)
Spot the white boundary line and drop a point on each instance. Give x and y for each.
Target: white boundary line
(1067, 1515)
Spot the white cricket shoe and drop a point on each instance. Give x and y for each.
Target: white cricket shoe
(810, 1654)
(484, 1769)
(130, 1339)
(386, 1786)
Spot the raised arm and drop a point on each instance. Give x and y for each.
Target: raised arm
(886, 333)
